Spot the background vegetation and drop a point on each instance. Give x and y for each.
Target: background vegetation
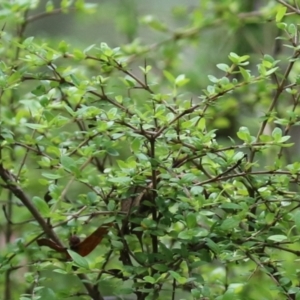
(163, 135)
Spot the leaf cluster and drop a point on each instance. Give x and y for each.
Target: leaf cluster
(102, 136)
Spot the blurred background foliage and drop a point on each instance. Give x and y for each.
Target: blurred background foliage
(180, 37)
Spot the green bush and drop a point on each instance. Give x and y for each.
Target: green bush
(179, 191)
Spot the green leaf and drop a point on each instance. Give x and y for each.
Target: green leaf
(112, 152)
(154, 23)
(292, 29)
(169, 76)
(117, 245)
(122, 180)
(119, 98)
(68, 163)
(89, 48)
(236, 59)
(178, 277)
(42, 206)
(191, 220)
(230, 223)
(223, 67)
(213, 78)
(78, 259)
(277, 238)
(181, 80)
(160, 267)
(282, 26)
(189, 234)
(49, 6)
(245, 73)
(238, 156)
(136, 144)
(63, 47)
(277, 133)
(212, 245)
(78, 54)
(146, 70)
(149, 279)
(92, 197)
(280, 13)
(271, 71)
(28, 41)
(69, 110)
(52, 176)
(231, 206)
(196, 190)
(244, 134)
(48, 294)
(35, 126)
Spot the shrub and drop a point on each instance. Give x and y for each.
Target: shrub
(120, 146)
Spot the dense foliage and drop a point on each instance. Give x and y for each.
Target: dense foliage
(179, 189)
